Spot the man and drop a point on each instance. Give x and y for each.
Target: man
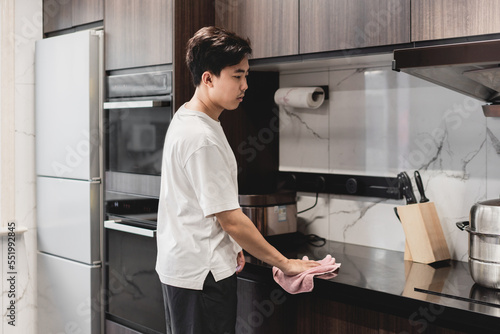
(201, 227)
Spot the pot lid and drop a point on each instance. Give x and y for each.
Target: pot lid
(485, 217)
(490, 202)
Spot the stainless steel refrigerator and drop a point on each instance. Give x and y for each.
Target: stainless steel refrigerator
(68, 110)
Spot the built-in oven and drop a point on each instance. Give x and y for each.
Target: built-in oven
(134, 294)
(138, 112)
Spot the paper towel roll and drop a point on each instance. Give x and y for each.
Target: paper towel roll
(300, 97)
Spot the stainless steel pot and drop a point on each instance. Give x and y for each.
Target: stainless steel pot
(483, 246)
(485, 273)
(485, 217)
(484, 242)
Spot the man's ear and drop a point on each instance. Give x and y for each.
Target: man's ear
(206, 79)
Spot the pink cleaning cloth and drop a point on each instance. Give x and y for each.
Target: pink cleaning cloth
(304, 282)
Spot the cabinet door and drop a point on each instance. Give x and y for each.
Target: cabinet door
(258, 158)
(264, 308)
(272, 26)
(436, 19)
(87, 11)
(327, 25)
(64, 14)
(138, 33)
(57, 15)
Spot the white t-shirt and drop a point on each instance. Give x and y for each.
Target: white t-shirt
(199, 179)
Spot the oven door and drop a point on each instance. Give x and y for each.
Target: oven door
(134, 145)
(135, 299)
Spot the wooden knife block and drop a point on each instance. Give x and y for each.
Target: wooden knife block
(425, 241)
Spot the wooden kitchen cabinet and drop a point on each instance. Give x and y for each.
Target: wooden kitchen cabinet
(189, 17)
(252, 131)
(317, 314)
(272, 26)
(327, 25)
(138, 33)
(56, 15)
(264, 308)
(86, 11)
(65, 14)
(437, 19)
(321, 315)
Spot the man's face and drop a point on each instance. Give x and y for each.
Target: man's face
(229, 88)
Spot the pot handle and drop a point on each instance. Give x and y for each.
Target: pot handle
(462, 225)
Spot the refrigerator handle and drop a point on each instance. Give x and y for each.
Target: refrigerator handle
(115, 225)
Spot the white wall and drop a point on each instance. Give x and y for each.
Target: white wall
(21, 25)
(379, 122)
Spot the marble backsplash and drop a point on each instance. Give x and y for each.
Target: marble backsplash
(379, 122)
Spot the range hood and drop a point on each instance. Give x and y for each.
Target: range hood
(471, 68)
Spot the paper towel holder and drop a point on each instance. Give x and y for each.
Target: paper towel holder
(325, 91)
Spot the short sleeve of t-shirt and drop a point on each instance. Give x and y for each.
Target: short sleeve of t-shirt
(211, 175)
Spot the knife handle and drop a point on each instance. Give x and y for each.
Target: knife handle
(406, 188)
(420, 186)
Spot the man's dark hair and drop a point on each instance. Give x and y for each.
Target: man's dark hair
(212, 49)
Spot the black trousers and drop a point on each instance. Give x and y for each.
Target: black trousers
(208, 311)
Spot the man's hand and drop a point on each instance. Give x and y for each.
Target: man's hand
(240, 262)
(293, 267)
(244, 232)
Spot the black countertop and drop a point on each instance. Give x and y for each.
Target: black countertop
(380, 279)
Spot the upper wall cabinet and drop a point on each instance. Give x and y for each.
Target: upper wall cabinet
(138, 33)
(437, 19)
(327, 25)
(59, 15)
(272, 26)
(86, 11)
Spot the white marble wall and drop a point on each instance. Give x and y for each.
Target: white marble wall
(21, 25)
(379, 122)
